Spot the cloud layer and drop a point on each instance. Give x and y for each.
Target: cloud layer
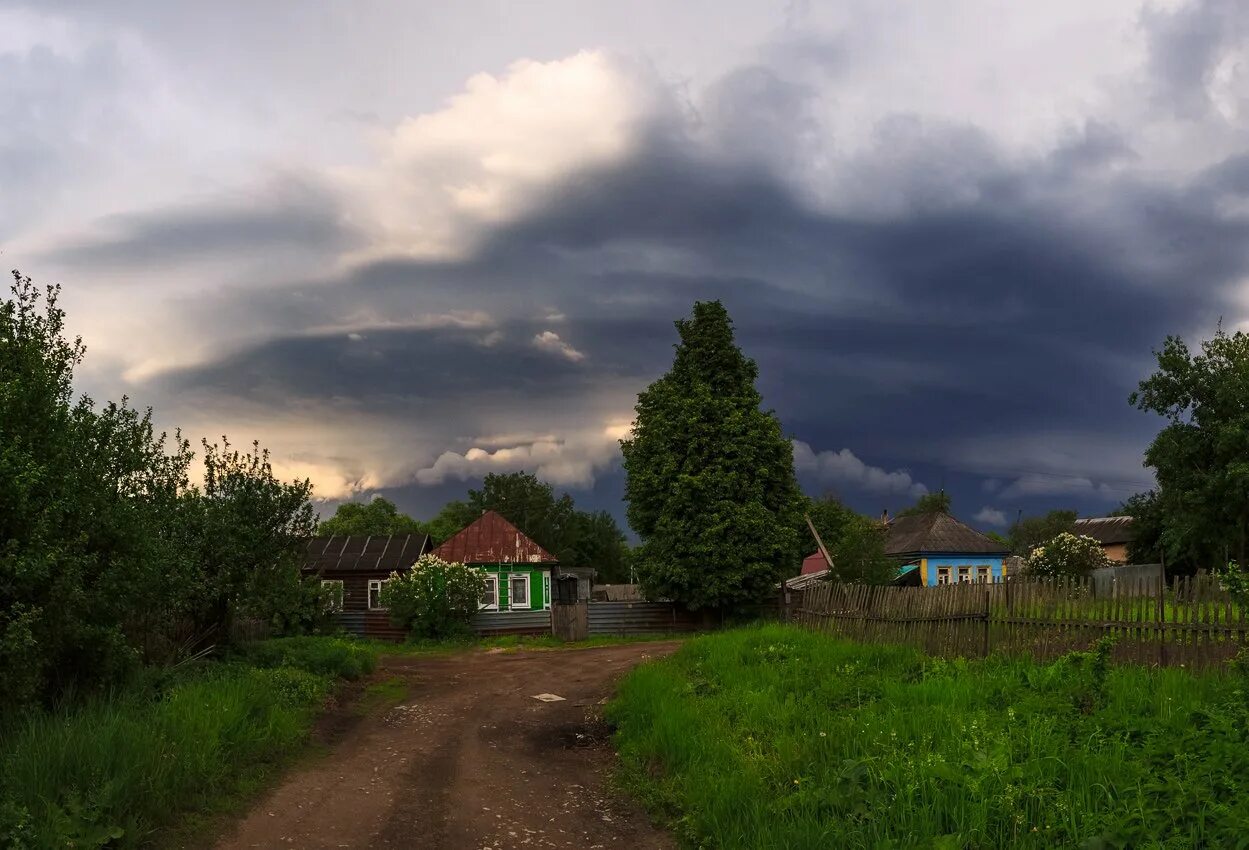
(949, 239)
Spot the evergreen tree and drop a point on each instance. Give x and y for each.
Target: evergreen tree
(710, 476)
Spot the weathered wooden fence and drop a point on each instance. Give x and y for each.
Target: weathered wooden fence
(1192, 621)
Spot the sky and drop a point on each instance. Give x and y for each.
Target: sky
(404, 245)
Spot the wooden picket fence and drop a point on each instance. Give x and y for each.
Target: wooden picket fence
(1189, 622)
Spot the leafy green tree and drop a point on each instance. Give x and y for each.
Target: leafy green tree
(1030, 532)
(855, 543)
(575, 538)
(378, 516)
(929, 503)
(91, 550)
(434, 599)
(709, 475)
(1067, 555)
(1200, 457)
(1147, 527)
(250, 533)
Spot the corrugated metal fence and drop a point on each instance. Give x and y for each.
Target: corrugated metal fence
(634, 618)
(512, 623)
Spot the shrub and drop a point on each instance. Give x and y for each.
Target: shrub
(1067, 555)
(341, 657)
(435, 599)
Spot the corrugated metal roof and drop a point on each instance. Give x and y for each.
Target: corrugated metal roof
(937, 533)
(491, 539)
(1107, 530)
(363, 553)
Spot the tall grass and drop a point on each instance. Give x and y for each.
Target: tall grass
(774, 737)
(112, 770)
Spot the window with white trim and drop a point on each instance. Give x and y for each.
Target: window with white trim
(546, 590)
(984, 575)
(943, 575)
(489, 600)
(335, 588)
(518, 590)
(375, 593)
(964, 574)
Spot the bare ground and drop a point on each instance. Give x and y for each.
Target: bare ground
(468, 760)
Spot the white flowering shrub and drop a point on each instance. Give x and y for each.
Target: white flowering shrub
(1067, 555)
(435, 599)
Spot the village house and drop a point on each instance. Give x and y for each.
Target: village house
(936, 549)
(1113, 534)
(517, 570)
(354, 568)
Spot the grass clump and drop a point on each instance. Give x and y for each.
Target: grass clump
(775, 737)
(343, 658)
(113, 770)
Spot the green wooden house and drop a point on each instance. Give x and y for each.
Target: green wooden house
(517, 570)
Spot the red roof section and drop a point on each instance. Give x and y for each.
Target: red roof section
(813, 564)
(491, 539)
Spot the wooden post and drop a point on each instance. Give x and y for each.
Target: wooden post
(985, 653)
(818, 542)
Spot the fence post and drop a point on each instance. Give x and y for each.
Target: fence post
(1162, 617)
(986, 620)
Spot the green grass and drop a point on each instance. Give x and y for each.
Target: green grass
(112, 771)
(516, 642)
(381, 695)
(775, 737)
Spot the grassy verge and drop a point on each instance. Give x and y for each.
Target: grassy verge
(774, 737)
(113, 770)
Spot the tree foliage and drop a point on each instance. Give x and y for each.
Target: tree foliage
(434, 599)
(1030, 532)
(108, 555)
(1067, 555)
(856, 543)
(574, 537)
(929, 503)
(1200, 457)
(378, 516)
(709, 475)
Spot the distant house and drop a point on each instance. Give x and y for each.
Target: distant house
(937, 549)
(354, 568)
(517, 570)
(813, 563)
(1114, 533)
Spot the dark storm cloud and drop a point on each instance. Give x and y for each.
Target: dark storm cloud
(1184, 47)
(286, 214)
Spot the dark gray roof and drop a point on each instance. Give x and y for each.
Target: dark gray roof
(1107, 530)
(363, 553)
(937, 534)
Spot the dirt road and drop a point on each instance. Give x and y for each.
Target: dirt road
(469, 759)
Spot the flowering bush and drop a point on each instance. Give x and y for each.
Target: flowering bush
(435, 599)
(1067, 555)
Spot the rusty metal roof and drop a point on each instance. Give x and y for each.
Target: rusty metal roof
(363, 553)
(491, 539)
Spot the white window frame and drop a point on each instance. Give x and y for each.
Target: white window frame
(965, 574)
(943, 573)
(378, 583)
(493, 580)
(511, 598)
(984, 574)
(546, 591)
(338, 604)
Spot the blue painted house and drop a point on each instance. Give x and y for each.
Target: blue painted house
(937, 549)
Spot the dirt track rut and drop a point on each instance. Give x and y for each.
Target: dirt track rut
(468, 760)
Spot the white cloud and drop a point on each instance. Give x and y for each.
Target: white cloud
(572, 461)
(550, 341)
(990, 516)
(1038, 484)
(481, 159)
(365, 320)
(844, 467)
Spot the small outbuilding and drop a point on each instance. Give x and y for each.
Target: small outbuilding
(1113, 534)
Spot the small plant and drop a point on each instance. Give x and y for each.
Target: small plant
(434, 599)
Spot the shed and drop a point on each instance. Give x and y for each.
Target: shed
(517, 569)
(1113, 533)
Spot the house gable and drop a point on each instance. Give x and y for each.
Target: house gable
(491, 539)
